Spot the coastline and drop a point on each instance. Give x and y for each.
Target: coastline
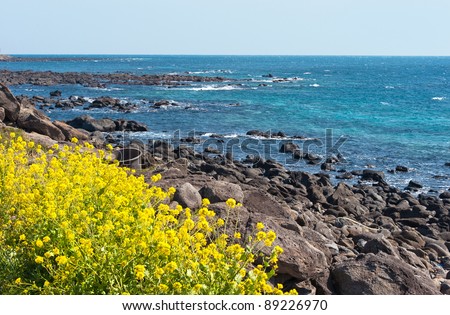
(367, 238)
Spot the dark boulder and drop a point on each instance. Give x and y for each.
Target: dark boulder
(445, 195)
(380, 274)
(9, 103)
(327, 167)
(220, 191)
(346, 175)
(56, 93)
(71, 132)
(298, 154)
(258, 133)
(129, 125)
(90, 124)
(413, 185)
(288, 147)
(372, 175)
(400, 168)
(31, 119)
(164, 103)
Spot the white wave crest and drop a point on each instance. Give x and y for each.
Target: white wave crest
(210, 71)
(214, 87)
(314, 85)
(438, 98)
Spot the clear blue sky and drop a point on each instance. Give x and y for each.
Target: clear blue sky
(294, 27)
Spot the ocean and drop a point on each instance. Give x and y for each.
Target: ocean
(381, 111)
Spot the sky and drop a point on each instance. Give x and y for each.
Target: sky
(227, 27)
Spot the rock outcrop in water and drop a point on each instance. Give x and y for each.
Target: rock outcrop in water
(49, 78)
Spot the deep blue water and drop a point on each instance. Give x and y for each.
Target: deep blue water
(393, 110)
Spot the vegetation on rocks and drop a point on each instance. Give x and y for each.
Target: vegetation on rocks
(72, 222)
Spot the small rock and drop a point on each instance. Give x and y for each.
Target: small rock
(372, 175)
(414, 185)
(445, 195)
(346, 175)
(288, 147)
(56, 93)
(400, 168)
(445, 287)
(327, 167)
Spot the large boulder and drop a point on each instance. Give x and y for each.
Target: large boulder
(88, 123)
(43, 140)
(2, 114)
(129, 125)
(220, 191)
(9, 103)
(71, 132)
(380, 274)
(305, 254)
(30, 119)
(188, 196)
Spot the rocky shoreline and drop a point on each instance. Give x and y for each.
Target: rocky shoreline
(99, 80)
(368, 238)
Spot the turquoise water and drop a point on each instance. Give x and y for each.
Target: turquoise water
(393, 110)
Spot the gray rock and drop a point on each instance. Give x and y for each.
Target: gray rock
(288, 147)
(372, 175)
(221, 191)
(71, 132)
(9, 103)
(401, 168)
(445, 287)
(380, 274)
(444, 195)
(90, 124)
(30, 119)
(187, 196)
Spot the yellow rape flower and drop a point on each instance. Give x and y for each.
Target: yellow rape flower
(39, 260)
(61, 260)
(39, 243)
(177, 286)
(231, 203)
(139, 271)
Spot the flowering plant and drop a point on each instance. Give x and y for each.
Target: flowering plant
(73, 222)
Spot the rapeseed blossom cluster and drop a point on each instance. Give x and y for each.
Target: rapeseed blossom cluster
(73, 222)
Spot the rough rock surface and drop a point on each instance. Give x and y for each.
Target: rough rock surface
(188, 196)
(380, 274)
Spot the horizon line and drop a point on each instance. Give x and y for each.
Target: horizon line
(218, 55)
